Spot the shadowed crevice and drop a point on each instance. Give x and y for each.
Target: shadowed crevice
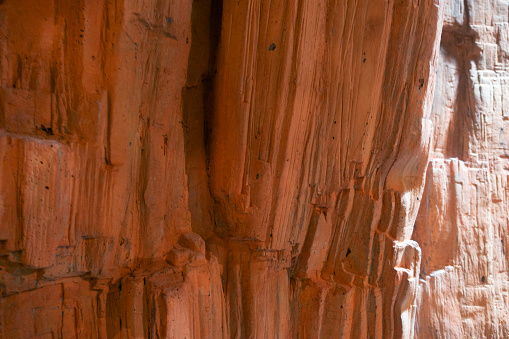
(206, 20)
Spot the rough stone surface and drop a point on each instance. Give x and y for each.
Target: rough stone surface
(254, 169)
(463, 221)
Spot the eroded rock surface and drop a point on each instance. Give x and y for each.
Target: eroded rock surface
(462, 225)
(254, 169)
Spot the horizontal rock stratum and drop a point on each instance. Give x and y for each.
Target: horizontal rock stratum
(254, 169)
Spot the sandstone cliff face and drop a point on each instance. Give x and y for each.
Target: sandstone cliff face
(254, 169)
(462, 225)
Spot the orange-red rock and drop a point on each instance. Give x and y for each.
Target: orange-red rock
(254, 169)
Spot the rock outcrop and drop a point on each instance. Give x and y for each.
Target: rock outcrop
(254, 169)
(462, 225)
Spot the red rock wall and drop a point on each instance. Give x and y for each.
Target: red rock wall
(462, 225)
(208, 169)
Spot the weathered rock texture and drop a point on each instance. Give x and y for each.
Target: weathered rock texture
(254, 168)
(463, 221)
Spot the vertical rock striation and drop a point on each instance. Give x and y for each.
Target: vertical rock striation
(254, 169)
(320, 137)
(462, 224)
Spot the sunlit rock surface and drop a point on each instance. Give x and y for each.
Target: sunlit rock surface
(254, 169)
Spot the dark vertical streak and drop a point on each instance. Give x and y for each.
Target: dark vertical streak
(458, 42)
